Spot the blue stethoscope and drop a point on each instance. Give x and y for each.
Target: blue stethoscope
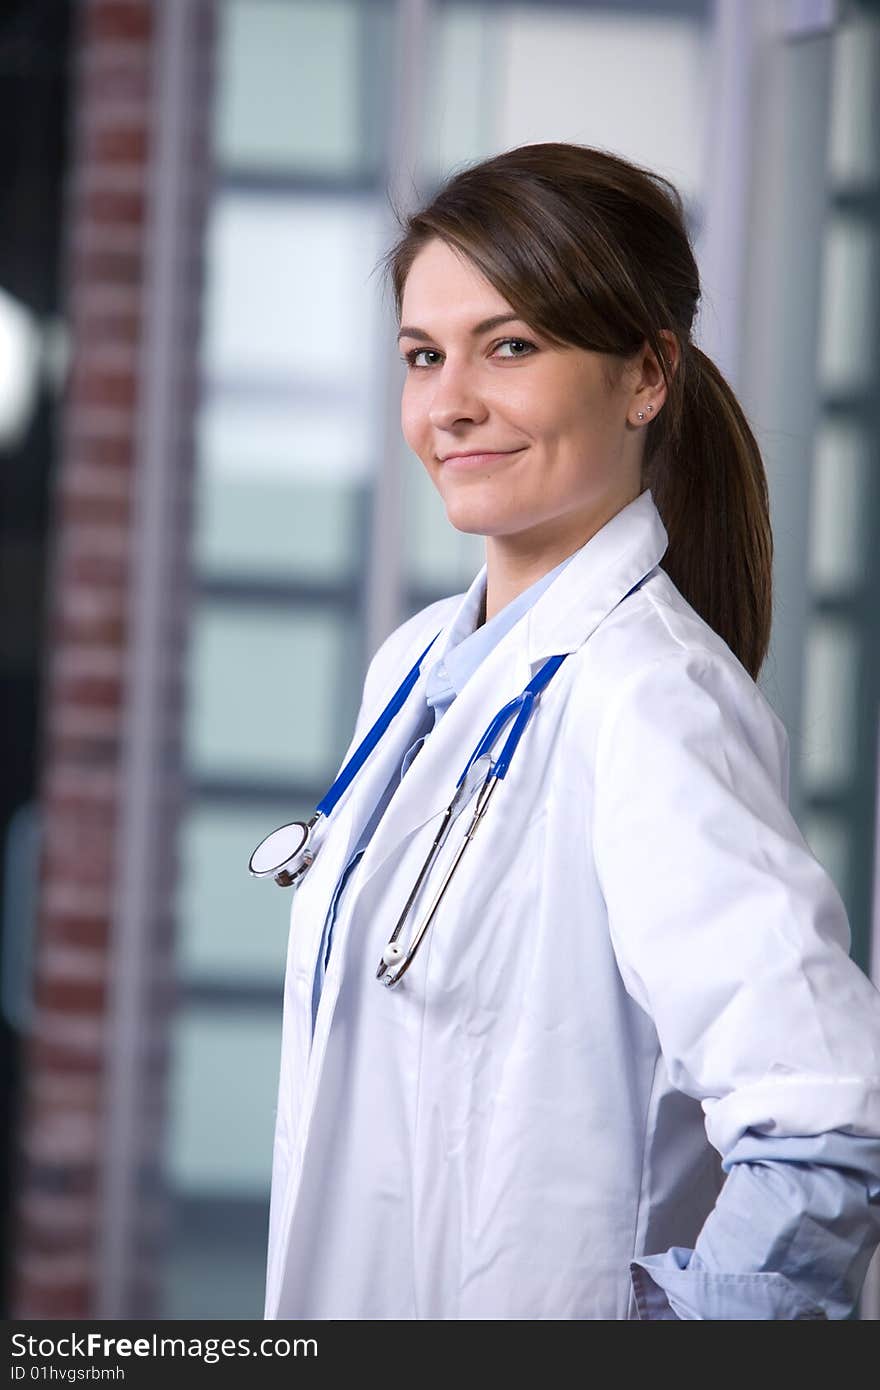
(287, 852)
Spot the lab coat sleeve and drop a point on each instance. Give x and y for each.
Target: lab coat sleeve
(735, 941)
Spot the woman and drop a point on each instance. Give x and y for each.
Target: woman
(636, 986)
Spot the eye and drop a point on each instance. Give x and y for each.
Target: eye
(410, 357)
(520, 342)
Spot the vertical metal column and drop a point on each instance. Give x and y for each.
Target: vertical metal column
(141, 948)
(386, 560)
(790, 114)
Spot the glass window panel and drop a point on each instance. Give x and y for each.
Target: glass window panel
(462, 100)
(215, 1261)
(591, 75)
(242, 437)
(222, 1098)
(849, 305)
(841, 475)
(829, 724)
(854, 137)
(289, 85)
(231, 926)
(289, 293)
(275, 527)
(265, 692)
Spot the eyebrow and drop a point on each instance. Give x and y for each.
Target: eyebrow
(483, 327)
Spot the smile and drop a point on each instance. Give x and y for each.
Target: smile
(469, 461)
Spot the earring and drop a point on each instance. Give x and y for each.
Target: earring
(641, 413)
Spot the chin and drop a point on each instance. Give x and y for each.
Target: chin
(473, 521)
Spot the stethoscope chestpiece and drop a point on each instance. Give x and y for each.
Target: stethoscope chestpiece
(286, 853)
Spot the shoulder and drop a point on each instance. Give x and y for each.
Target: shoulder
(659, 667)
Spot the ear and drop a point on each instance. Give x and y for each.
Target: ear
(649, 387)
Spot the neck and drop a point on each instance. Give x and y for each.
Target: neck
(515, 562)
(510, 573)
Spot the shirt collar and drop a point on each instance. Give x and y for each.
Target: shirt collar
(469, 644)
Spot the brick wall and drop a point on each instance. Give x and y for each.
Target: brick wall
(58, 1206)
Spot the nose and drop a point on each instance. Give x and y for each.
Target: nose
(455, 398)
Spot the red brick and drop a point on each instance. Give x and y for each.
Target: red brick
(98, 509)
(88, 627)
(114, 73)
(84, 862)
(98, 326)
(51, 1055)
(117, 19)
(48, 1223)
(129, 144)
(80, 477)
(108, 267)
(102, 450)
(37, 1299)
(114, 206)
(70, 996)
(91, 385)
(96, 569)
(91, 932)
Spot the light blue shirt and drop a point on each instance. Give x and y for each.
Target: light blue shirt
(794, 1227)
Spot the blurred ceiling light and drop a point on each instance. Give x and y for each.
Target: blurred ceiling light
(20, 365)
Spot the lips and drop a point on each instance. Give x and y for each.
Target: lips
(477, 453)
(459, 462)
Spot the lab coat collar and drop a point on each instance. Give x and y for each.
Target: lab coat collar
(600, 574)
(467, 645)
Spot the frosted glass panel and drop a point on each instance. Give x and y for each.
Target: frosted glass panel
(854, 144)
(223, 1092)
(264, 692)
(230, 925)
(303, 438)
(829, 724)
(276, 528)
(288, 292)
(841, 476)
(466, 46)
(288, 85)
(631, 83)
(849, 306)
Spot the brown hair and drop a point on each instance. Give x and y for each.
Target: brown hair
(594, 251)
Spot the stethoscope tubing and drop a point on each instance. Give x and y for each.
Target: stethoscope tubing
(483, 796)
(520, 709)
(376, 733)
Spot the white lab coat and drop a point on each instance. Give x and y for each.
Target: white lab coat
(638, 959)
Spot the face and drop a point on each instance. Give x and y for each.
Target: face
(554, 452)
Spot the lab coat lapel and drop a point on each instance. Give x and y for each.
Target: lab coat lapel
(386, 758)
(602, 572)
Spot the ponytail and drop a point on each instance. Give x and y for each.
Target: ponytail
(707, 479)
